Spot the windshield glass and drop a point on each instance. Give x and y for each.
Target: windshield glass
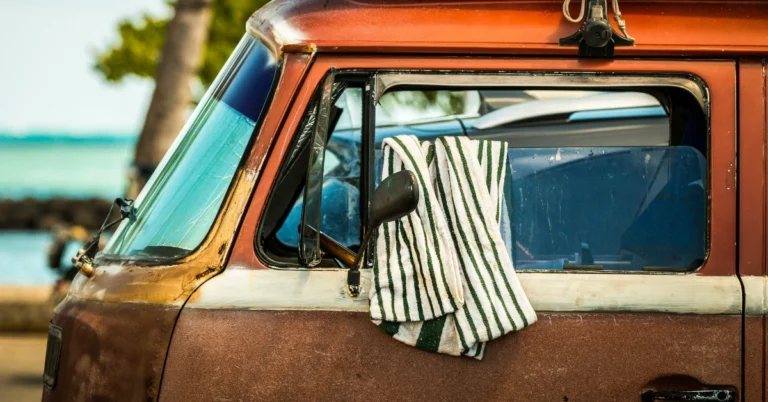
(180, 202)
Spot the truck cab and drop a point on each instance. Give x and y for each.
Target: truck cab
(634, 211)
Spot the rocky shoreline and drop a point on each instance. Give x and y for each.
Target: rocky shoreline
(37, 214)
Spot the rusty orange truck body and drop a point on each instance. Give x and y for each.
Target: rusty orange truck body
(227, 309)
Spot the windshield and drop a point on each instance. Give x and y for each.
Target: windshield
(180, 202)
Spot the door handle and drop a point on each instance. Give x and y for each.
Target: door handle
(710, 395)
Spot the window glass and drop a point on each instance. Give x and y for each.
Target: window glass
(613, 208)
(340, 206)
(595, 179)
(180, 202)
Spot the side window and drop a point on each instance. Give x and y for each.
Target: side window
(596, 180)
(340, 206)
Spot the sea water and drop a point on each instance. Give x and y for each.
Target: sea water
(23, 260)
(54, 166)
(64, 169)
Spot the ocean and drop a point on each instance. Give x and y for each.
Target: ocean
(71, 167)
(54, 165)
(22, 258)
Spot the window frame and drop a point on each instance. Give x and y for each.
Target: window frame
(354, 79)
(383, 79)
(387, 80)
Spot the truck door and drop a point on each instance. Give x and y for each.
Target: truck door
(622, 226)
(752, 215)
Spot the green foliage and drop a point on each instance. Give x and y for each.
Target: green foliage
(141, 42)
(449, 102)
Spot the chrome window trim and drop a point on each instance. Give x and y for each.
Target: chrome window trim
(694, 85)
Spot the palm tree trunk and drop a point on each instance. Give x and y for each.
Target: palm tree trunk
(181, 55)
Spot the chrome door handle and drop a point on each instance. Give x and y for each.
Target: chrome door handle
(710, 395)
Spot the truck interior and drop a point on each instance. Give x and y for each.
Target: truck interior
(597, 178)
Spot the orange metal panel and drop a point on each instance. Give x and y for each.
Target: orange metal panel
(111, 351)
(511, 26)
(322, 355)
(754, 349)
(719, 76)
(751, 168)
(294, 71)
(748, 332)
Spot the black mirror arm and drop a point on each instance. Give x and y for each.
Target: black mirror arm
(353, 275)
(396, 197)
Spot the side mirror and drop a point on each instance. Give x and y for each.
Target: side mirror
(396, 197)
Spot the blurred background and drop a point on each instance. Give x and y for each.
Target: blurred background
(92, 93)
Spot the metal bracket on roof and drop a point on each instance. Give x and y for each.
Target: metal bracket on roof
(596, 37)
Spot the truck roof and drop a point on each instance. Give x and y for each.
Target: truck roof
(516, 27)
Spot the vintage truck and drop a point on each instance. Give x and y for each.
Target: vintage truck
(635, 203)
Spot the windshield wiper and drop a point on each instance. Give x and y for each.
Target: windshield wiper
(160, 252)
(83, 261)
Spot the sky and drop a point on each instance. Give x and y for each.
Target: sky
(47, 80)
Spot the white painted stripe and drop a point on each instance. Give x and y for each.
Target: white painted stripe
(281, 290)
(755, 288)
(633, 293)
(556, 292)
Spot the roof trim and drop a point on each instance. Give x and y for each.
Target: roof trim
(505, 27)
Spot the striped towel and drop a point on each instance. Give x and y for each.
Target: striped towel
(443, 280)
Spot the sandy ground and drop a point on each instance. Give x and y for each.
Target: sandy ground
(21, 366)
(25, 308)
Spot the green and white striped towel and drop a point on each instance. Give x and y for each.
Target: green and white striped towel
(443, 280)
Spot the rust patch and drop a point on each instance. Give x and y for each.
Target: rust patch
(111, 351)
(312, 355)
(193, 297)
(308, 48)
(205, 273)
(730, 177)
